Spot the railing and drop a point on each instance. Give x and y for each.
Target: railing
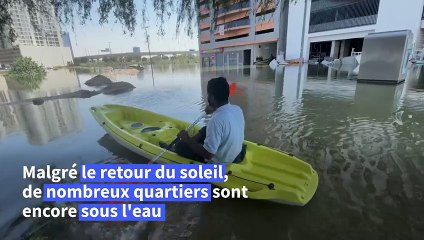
(205, 33)
(265, 6)
(238, 23)
(204, 23)
(265, 18)
(205, 39)
(233, 7)
(348, 23)
(319, 5)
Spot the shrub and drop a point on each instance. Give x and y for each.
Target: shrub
(27, 72)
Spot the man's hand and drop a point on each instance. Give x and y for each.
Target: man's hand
(209, 109)
(183, 135)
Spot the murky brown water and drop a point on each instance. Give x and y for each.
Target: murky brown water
(365, 141)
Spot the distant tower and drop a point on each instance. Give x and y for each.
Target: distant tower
(136, 49)
(67, 42)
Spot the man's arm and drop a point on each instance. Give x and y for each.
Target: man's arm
(211, 143)
(199, 149)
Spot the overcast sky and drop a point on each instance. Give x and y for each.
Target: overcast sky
(91, 37)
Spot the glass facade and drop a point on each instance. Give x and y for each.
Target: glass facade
(331, 14)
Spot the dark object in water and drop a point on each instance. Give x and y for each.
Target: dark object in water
(138, 67)
(98, 81)
(117, 88)
(83, 94)
(37, 101)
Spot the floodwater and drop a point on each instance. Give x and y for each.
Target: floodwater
(365, 141)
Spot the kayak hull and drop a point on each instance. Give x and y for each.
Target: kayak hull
(269, 174)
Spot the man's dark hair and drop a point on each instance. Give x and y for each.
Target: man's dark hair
(219, 88)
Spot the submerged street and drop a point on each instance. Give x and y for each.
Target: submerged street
(365, 141)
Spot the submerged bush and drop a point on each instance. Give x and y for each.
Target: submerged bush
(27, 72)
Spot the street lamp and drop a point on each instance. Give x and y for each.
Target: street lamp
(148, 46)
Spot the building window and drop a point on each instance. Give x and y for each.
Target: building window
(330, 15)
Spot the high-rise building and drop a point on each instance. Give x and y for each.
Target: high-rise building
(67, 42)
(38, 37)
(44, 30)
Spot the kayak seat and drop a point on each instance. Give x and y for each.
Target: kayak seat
(137, 125)
(150, 129)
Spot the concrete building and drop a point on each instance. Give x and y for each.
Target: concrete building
(40, 39)
(241, 36)
(300, 29)
(337, 28)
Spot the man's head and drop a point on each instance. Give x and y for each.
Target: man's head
(218, 92)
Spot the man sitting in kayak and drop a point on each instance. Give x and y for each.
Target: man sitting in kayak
(221, 141)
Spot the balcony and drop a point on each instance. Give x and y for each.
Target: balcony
(233, 29)
(235, 32)
(232, 17)
(205, 39)
(263, 26)
(205, 23)
(234, 24)
(233, 9)
(265, 8)
(203, 10)
(265, 22)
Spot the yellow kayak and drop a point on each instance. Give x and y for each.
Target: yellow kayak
(267, 173)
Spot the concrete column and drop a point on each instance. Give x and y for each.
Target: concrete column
(282, 26)
(297, 30)
(345, 49)
(329, 74)
(279, 81)
(252, 20)
(335, 46)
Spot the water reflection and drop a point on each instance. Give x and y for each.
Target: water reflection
(416, 77)
(378, 102)
(24, 81)
(362, 138)
(41, 124)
